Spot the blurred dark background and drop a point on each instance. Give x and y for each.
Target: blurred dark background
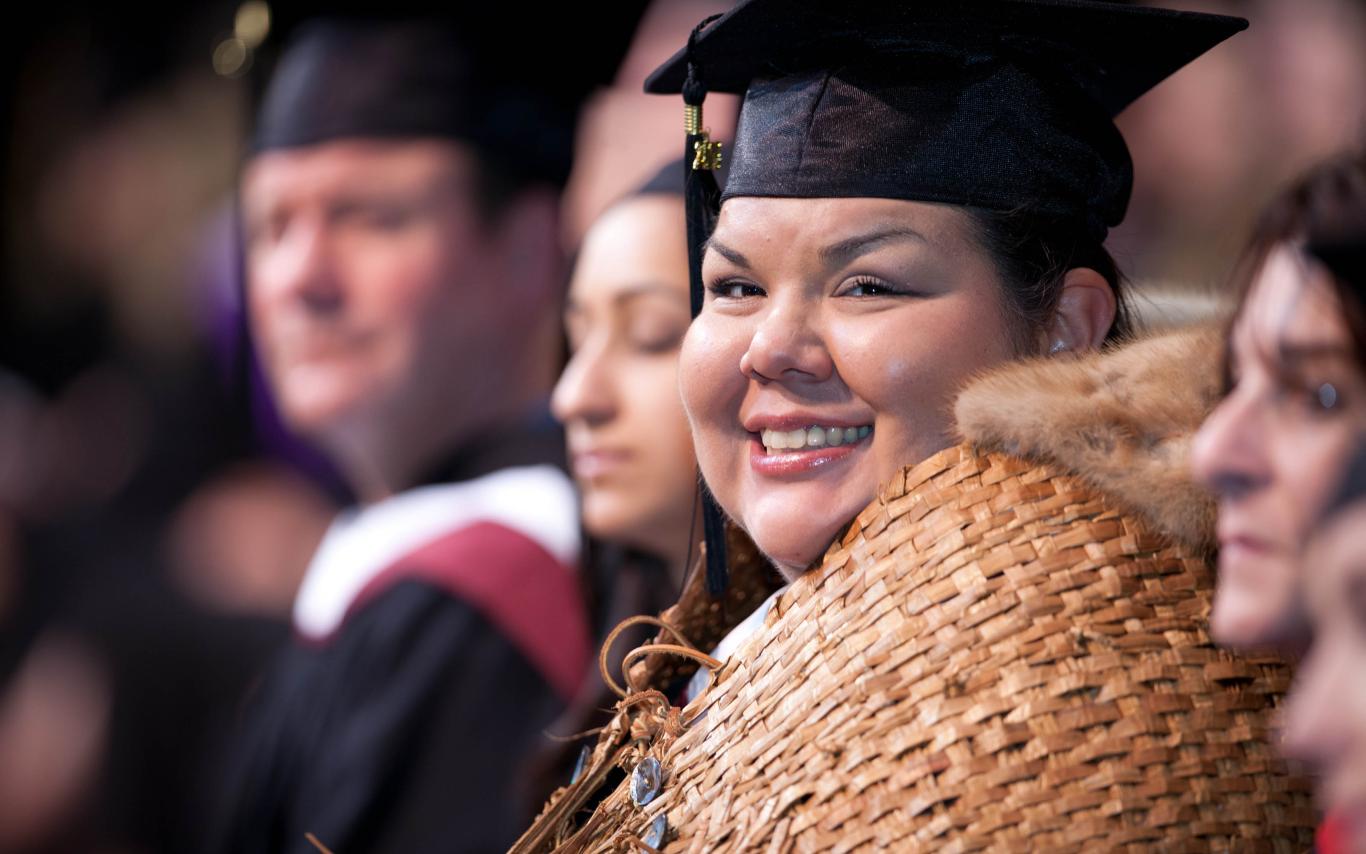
(154, 520)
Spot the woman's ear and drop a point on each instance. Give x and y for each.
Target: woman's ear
(1085, 312)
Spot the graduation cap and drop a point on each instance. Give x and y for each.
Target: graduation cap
(402, 70)
(1004, 105)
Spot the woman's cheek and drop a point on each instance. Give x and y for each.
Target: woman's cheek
(1309, 461)
(710, 383)
(662, 426)
(909, 365)
(712, 389)
(897, 383)
(657, 499)
(690, 356)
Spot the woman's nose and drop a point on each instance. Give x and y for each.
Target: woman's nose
(787, 345)
(1228, 453)
(584, 390)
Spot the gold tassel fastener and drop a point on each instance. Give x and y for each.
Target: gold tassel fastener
(706, 151)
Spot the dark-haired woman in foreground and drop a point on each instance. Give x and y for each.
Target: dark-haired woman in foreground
(993, 644)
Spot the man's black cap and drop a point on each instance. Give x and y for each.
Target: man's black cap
(475, 74)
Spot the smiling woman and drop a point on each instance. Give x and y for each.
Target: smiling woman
(993, 635)
(841, 314)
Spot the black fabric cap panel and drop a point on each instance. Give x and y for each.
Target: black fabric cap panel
(987, 137)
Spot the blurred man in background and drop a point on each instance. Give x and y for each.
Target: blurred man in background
(401, 218)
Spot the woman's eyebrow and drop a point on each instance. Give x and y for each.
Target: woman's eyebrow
(732, 255)
(646, 289)
(839, 253)
(1297, 352)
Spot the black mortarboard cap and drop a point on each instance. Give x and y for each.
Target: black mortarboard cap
(1006, 105)
(401, 71)
(999, 104)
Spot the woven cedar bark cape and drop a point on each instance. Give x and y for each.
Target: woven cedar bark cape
(1006, 651)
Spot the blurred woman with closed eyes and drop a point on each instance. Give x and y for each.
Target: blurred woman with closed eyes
(629, 447)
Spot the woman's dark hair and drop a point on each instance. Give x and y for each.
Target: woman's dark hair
(1032, 255)
(1323, 206)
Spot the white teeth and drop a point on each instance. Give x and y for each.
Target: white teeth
(812, 437)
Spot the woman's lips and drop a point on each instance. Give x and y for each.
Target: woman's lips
(597, 463)
(1236, 549)
(773, 463)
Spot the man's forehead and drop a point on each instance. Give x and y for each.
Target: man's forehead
(358, 165)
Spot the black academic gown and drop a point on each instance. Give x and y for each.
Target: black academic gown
(409, 726)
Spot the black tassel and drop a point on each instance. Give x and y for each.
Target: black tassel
(701, 195)
(714, 534)
(702, 198)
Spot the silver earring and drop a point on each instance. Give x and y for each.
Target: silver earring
(1057, 347)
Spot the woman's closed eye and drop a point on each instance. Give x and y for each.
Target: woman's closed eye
(656, 335)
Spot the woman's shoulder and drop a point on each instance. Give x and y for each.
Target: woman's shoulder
(1122, 419)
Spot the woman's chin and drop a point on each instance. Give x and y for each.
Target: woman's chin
(793, 557)
(793, 535)
(1240, 622)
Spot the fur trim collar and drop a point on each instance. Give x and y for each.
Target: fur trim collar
(1122, 419)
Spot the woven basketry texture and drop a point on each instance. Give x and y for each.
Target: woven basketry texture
(994, 658)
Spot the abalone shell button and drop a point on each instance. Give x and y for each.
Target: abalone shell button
(654, 837)
(646, 781)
